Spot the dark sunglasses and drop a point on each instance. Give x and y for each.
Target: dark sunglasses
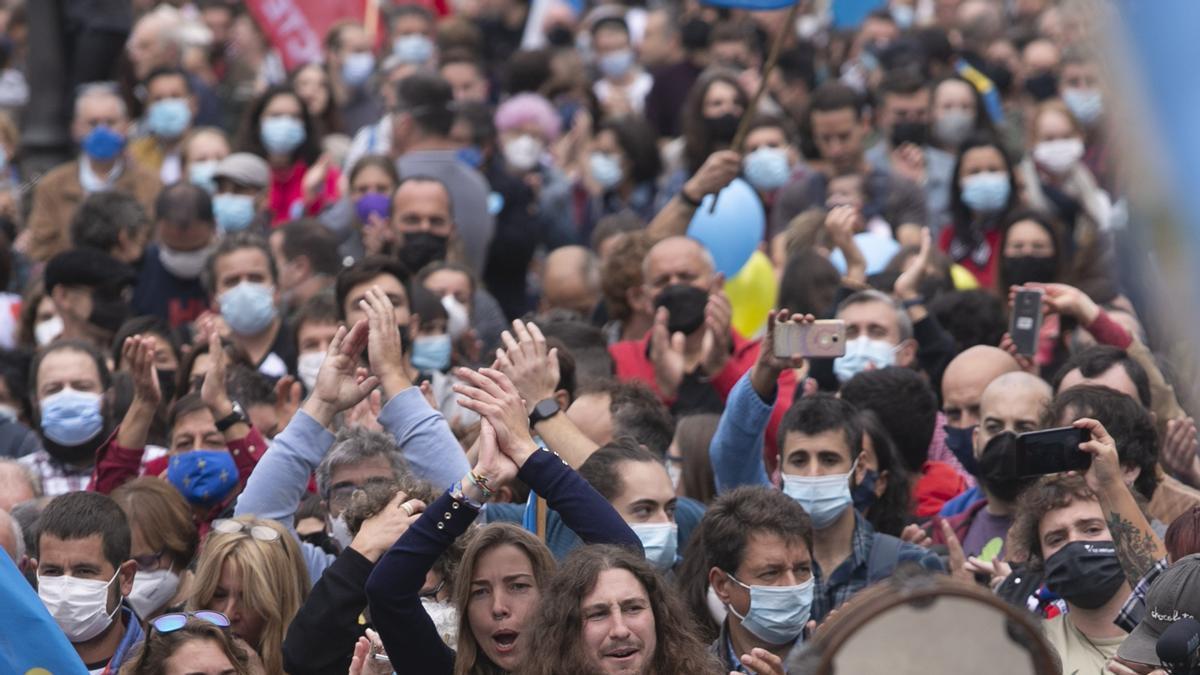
(169, 623)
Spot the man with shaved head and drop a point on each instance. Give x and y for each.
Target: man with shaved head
(691, 356)
(963, 382)
(1012, 403)
(571, 281)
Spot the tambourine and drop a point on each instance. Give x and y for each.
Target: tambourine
(926, 625)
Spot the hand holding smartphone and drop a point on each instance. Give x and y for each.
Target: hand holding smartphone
(819, 339)
(1025, 324)
(1052, 451)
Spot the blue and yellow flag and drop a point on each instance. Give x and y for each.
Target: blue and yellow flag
(30, 642)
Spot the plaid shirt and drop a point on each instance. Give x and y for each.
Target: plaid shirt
(1135, 607)
(851, 576)
(57, 478)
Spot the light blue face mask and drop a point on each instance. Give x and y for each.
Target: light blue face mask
(823, 498)
(904, 16)
(357, 68)
(281, 134)
(71, 417)
(659, 541)
(233, 213)
(431, 352)
(169, 118)
(777, 614)
(861, 352)
(767, 168)
(248, 308)
(203, 174)
(616, 64)
(986, 192)
(415, 48)
(1087, 105)
(605, 170)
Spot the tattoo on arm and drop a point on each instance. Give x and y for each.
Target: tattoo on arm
(1136, 548)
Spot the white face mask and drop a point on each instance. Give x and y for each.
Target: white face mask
(340, 531)
(523, 152)
(79, 606)
(152, 590)
(1058, 156)
(307, 367)
(45, 332)
(185, 264)
(458, 319)
(445, 619)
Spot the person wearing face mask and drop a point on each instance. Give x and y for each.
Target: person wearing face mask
(201, 151)
(350, 63)
(758, 552)
(243, 286)
(316, 322)
(69, 411)
(170, 109)
(981, 198)
(84, 574)
(1081, 88)
(242, 180)
(621, 173)
(770, 157)
(963, 383)
(99, 126)
(820, 460)
(280, 130)
(306, 254)
(423, 226)
(411, 29)
(623, 85)
(90, 291)
(1060, 186)
(168, 282)
(432, 354)
(164, 542)
(710, 117)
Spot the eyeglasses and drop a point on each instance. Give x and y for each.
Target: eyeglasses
(259, 532)
(169, 623)
(149, 562)
(340, 494)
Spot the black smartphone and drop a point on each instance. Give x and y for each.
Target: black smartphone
(1026, 321)
(916, 133)
(1051, 451)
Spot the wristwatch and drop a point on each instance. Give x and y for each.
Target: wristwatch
(238, 415)
(544, 410)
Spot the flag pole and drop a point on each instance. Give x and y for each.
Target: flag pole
(371, 19)
(743, 130)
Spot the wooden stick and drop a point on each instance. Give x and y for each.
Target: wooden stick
(743, 130)
(371, 19)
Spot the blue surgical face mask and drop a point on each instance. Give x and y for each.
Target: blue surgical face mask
(202, 174)
(233, 213)
(659, 541)
(861, 352)
(103, 144)
(470, 155)
(863, 494)
(961, 442)
(431, 352)
(203, 477)
(415, 48)
(358, 68)
(281, 134)
(605, 170)
(767, 168)
(824, 498)
(248, 308)
(904, 16)
(1087, 105)
(777, 614)
(986, 192)
(71, 417)
(616, 64)
(169, 118)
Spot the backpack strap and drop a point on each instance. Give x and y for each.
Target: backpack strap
(885, 555)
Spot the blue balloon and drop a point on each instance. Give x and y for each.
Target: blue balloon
(732, 232)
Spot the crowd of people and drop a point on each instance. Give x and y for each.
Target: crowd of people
(404, 361)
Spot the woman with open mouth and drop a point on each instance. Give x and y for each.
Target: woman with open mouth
(504, 569)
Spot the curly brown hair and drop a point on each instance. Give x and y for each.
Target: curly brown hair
(622, 271)
(151, 656)
(558, 626)
(1048, 494)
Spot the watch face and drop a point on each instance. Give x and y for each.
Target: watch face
(546, 408)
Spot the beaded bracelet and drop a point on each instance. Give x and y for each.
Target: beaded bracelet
(481, 482)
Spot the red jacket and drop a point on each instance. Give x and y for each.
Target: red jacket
(632, 359)
(938, 484)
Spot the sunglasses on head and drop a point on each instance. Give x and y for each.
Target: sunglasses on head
(169, 623)
(259, 532)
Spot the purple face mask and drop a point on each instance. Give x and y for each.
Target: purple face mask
(373, 203)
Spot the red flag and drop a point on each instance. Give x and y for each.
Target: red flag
(297, 27)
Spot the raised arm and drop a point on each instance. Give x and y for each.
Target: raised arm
(120, 459)
(424, 437)
(736, 448)
(717, 171)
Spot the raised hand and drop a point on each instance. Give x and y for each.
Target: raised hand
(1106, 465)
(908, 160)
(1180, 450)
(958, 560)
(339, 385)
(365, 413)
(1063, 299)
(717, 344)
(1023, 361)
(714, 174)
(384, 348)
(768, 367)
(497, 468)
(840, 223)
(377, 533)
(494, 397)
(138, 352)
(667, 355)
(907, 286)
(526, 361)
(288, 397)
(915, 534)
(214, 392)
(762, 662)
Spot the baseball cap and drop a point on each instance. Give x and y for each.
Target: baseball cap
(245, 169)
(1174, 595)
(86, 267)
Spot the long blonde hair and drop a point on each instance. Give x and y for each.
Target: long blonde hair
(274, 581)
(469, 659)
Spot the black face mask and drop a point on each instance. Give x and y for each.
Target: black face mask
(916, 133)
(1028, 269)
(108, 311)
(1042, 86)
(1085, 573)
(997, 468)
(420, 249)
(1000, 76)
(958, 440)
(722, 129)
(560, 36)
(321, 540)
(686, 304)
